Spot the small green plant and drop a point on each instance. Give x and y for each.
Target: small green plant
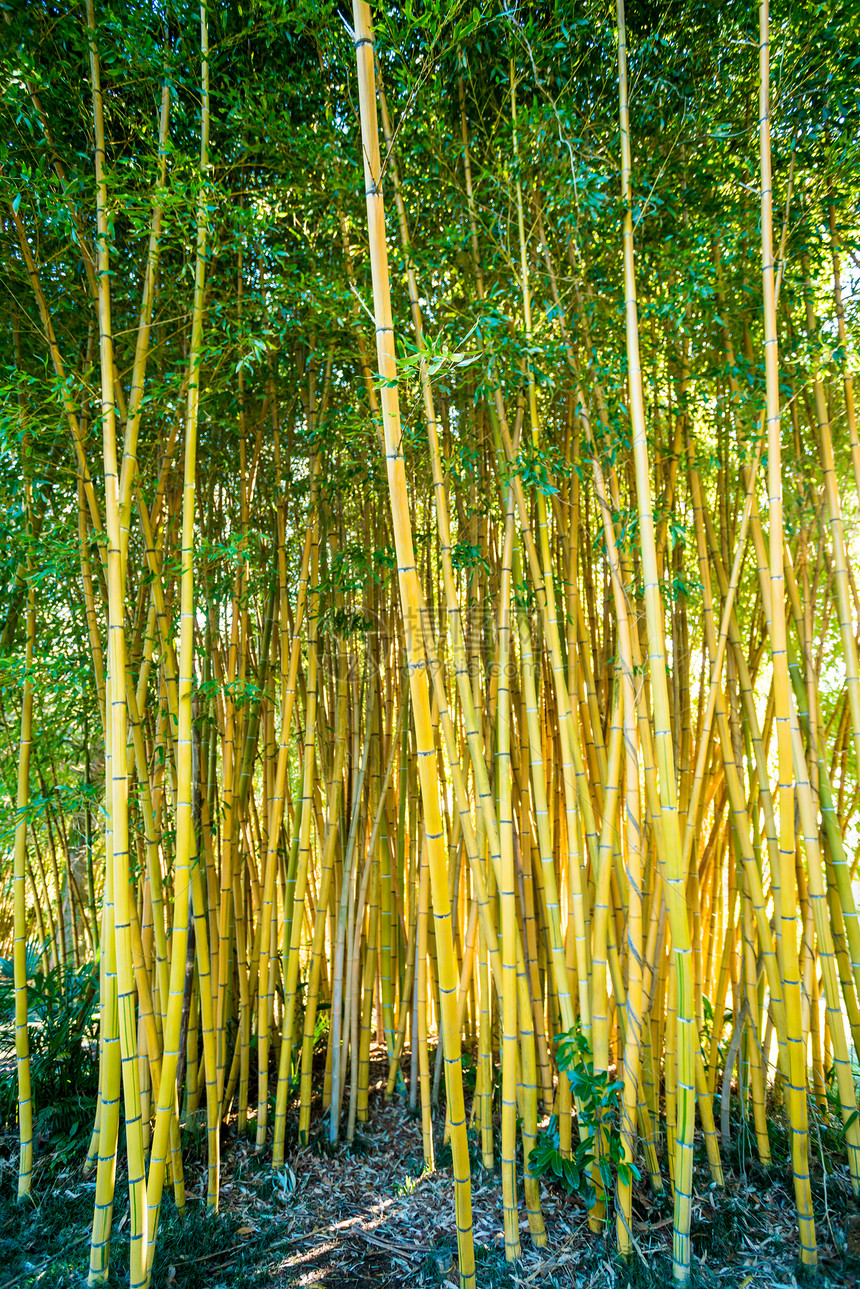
(62, 1006)
(600, 1145)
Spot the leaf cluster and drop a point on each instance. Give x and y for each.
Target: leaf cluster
(599, 1151)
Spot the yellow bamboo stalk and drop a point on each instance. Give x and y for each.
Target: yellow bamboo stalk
(674, 875)
(186, 845)
(276, 814)
(117, 788)
(507, 904)
(109, 1059)
(410, 608)
(321, 915)
(419, 1038)
(796, 1048)
(474, 739)
(574, 772)
(304, 855)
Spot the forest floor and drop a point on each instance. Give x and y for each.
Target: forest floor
(368, 1216)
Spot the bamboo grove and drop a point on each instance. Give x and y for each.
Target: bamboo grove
(430, 481)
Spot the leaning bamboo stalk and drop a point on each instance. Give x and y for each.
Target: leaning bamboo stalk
(632, 1059)
(674, 884)
(364, 996)
(321, 915)
(573, 770)
(419, 1037)
(541, 566)
(628, 661)
(342, 972)
(796, 1062)
(276, 814)
(474, 739)
(410, 608)
(507, 903)
(117, 788)
(304, 853)
(186, 845)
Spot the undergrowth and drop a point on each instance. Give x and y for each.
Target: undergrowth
(62, 1007)
(743, 1230)
(47, 1243)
